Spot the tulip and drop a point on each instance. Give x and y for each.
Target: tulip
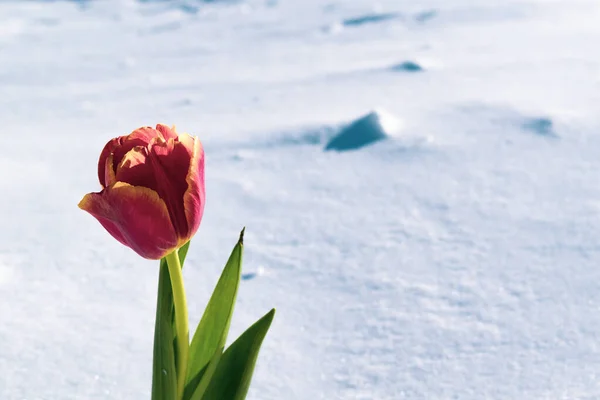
(152, 201)
(153, 194)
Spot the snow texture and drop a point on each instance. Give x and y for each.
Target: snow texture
(457, 258)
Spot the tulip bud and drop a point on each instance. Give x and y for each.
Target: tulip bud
(153, 193)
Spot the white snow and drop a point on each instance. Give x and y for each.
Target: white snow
(457, 259)
(5, 273)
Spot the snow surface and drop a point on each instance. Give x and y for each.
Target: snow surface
(455, 259)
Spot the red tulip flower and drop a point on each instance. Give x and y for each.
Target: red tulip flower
(153, 194)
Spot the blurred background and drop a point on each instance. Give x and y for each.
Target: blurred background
(418, 181)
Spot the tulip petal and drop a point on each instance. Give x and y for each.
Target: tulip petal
(144, 134)
(136, 217)
(141, 137)
(136, 169)
(167, 133)
(170, 161)
(195, 195)
(94, 204)
(107, 151)
(109, 172)
(122, 145)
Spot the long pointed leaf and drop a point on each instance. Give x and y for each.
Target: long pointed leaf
(212, 330)
(207, 376)
(234, 373)
(164, 379)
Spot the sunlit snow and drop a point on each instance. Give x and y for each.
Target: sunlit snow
(454, 257)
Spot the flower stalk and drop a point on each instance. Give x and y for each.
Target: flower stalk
(181, 319)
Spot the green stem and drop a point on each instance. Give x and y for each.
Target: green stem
(181, 320)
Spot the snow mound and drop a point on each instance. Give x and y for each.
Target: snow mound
(512, 120)
(251, 275)
(425, 16)
(370, 128)
(369, 19)
(190, 7)
(541, 126)
(407, 66)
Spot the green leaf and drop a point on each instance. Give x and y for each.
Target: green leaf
(183, 250)
(164, 378)
(207, 376)
(212, 330)
(234, 372)
(192, 385)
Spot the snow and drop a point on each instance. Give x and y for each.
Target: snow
(370, 128)
(407, 66)
(457, 258)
